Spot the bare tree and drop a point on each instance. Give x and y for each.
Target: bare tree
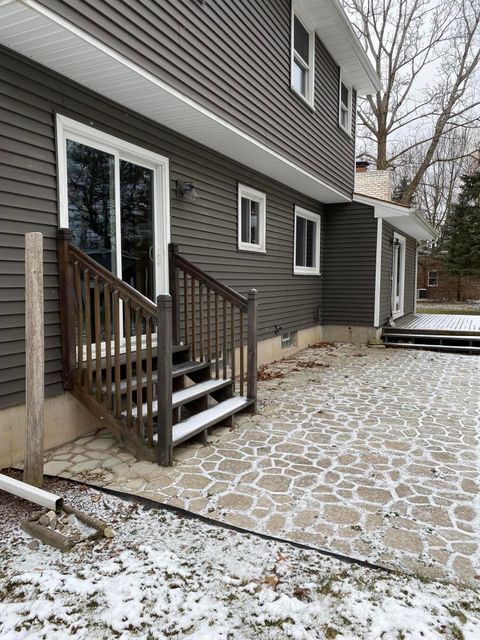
(427, 54)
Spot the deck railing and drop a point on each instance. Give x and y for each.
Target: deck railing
(117, 344)
(219, 324)
(116, 349)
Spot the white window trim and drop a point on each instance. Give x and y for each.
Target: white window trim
(257, 196)
(347, 129)
(73, 130)
(403, 243)
(309, 99)
(315, 217)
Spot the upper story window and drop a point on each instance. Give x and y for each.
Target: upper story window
(303, 55)
(306, 260)
(345, 106)
(251, 219)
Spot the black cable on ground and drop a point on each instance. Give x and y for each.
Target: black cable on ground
(153, 504)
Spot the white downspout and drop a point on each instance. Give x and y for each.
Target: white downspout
(26, 491)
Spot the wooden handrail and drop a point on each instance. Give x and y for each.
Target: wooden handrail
(97, 269)
(213, 284)
(109, 358)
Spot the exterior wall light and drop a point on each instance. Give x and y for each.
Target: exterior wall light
(186, 191)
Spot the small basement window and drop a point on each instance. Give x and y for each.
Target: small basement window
(251, 219)
(433, 278)
(303, 54)
(289, 339)
(345, 107)
(307, 242)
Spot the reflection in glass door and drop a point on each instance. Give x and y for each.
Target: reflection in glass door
(136, 224)
(111, 216)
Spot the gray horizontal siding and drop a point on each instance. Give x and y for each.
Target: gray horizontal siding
(349, 266)
(386, 279)
(205, 51)
(206, 232)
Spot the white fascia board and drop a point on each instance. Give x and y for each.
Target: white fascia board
(336, 32)
(401, 218)
(136, 88)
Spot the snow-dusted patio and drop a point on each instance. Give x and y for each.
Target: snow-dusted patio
(370, 453)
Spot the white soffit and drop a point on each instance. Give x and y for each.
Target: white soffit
(42, 35)
(336, 32)
(403, 219)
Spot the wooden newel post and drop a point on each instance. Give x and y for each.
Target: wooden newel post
(66, 307)
(252, 349)
(164, 379)
(174, 291)
(35, 359)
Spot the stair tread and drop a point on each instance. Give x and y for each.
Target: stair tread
(184, 368)
(176, 348)
(207, 418)
(197, 391)
(185, 395)
(177, 369)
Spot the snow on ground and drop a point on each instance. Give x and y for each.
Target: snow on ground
(167, 576)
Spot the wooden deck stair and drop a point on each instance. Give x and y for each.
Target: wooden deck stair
(195, 367)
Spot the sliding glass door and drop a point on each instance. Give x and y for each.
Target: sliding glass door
(121, 238)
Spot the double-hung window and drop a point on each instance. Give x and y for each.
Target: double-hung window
(306, 259)
(433, 278)
(251, 219)
(303, 54)
(345, 107)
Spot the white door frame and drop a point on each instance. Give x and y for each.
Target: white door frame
(82, 133)
(401, 241)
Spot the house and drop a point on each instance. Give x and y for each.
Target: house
(227, 129)
(436, 283)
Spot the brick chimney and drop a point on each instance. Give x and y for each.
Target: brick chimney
(373, 182)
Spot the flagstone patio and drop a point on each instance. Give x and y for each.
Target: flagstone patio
(368, 452)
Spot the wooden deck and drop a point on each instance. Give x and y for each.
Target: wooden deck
(436, 331)
(439, 323)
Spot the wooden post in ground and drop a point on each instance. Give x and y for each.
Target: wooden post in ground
(35, 356)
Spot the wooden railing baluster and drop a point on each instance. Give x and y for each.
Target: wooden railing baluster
(128, 358)
(98, 339)
(148, 339)
(138, 368)
(116, 355)
(232, 344)
(79, 303)
(200, 319)
(193, 303)
(224, 339)
(209, 328)
(88, 331)
(108, 344)
(185, 306)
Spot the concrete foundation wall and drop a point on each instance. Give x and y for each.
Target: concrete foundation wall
(354, 335)
(65, 420)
